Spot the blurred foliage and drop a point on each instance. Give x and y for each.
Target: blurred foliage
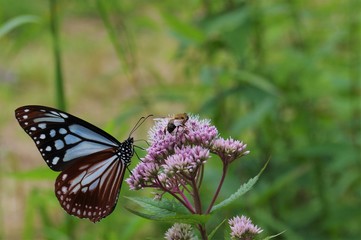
(284, 76)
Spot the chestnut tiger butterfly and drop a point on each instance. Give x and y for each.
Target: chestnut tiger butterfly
(91, 162)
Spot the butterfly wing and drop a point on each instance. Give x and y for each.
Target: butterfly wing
(60, 137)
(90, 187)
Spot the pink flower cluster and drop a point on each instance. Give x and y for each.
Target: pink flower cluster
(229, 149)
(174, 159)
(180, 231)
(242, 228)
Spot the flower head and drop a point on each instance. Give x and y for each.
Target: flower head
(229, 149)
(180, 231)
(243, 229)
(185, 161)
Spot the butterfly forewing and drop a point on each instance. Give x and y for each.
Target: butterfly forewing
(60, 137)
(90, 187)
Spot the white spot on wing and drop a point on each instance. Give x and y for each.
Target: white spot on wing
(52, 133)
(59, 144)
(64, 189)
(55, 161)
(42, 136)
(63, 115)
(55, 113)
(48, 149)
(48, 119)
(70, 139)
(62, 131)
(42, 125)
(25, 116)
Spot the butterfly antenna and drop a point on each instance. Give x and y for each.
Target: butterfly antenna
(143, 141)
(139, 123)
(141, 148)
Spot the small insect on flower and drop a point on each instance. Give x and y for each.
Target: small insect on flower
(174, 122)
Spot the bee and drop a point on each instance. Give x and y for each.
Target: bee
(178, 120)
(174, 122)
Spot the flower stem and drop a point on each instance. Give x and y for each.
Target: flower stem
(185, 203)
(225, 168)
(203, 231)
(196, 198)
(200, 176)
(190, 207)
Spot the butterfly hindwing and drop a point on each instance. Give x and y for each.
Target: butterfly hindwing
(90, 187)
(61, 137)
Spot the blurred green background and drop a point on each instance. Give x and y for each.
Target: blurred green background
(283, 76)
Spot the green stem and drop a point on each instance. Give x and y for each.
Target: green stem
(203, 231)
(225, 168)
(54, 28)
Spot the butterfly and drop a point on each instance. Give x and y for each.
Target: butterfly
(176, 121)
(91, 162)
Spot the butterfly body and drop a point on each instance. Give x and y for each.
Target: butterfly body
(92, 162)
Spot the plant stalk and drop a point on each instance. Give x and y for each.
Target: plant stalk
(225, 168)
(54, 29)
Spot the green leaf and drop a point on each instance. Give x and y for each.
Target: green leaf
(273, 236)
(242, 190)
(188, 218)
(16, 22)
(228, 21)
(185, 31)
(254, 116)
(210, 236)
(257, 81)
(165, 205)
(165, 210)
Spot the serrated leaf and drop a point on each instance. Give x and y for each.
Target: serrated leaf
(182, 218)
(242, 190)
(164, 206)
